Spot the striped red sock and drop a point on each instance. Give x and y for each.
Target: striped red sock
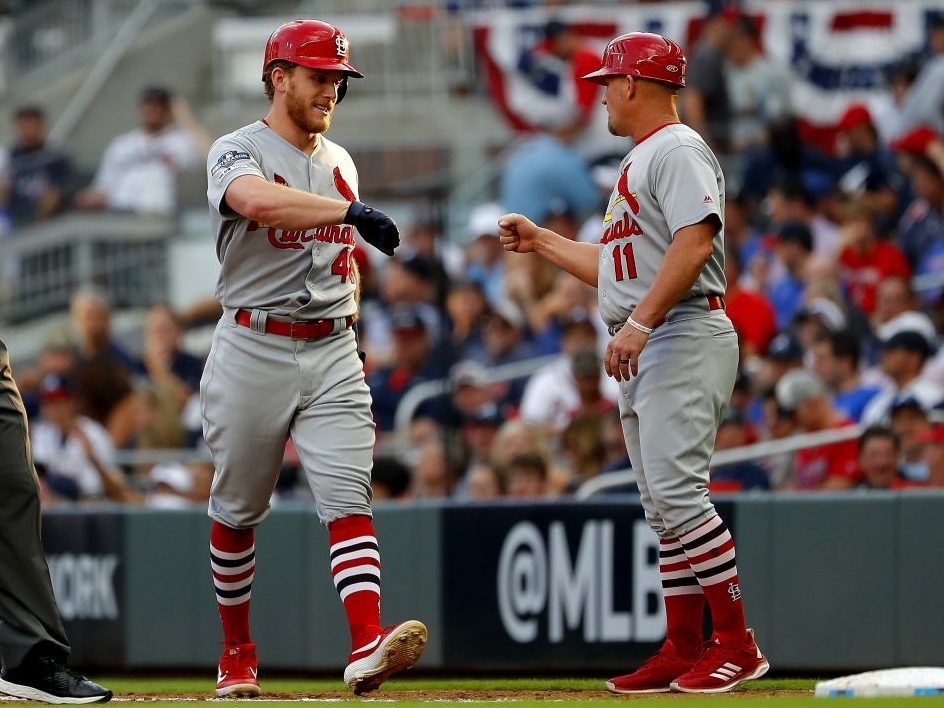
(233, 562)
(710, 551)
(355, 567)
(684, 599)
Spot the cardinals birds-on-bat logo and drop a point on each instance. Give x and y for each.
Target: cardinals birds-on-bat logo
(344, 189)
(622, 186)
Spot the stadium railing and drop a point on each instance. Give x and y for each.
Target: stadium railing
(124, 254)
(53, 36)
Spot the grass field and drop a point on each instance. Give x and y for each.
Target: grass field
(776, 693)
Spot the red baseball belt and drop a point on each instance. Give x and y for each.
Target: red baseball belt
(296, 329)
(713, 302)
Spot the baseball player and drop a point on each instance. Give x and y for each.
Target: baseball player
(34, 648)
(284, 360)
(659, 272)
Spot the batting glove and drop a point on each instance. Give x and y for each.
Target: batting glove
(378, 229)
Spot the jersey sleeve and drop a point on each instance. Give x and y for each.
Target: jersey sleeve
(229, 158)
(686, 187)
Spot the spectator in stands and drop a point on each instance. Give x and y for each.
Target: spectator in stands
(517, 437)
(783, 355)
(390, 479)
(887, 110)
(925, 98)
(484, 257)
(504, 339)
(166, 364)
(758, 88)
(526, 476)
(829, 466)
(902, 360)
(865, 259)
(734, 432)
(75, 452)
(406, 283)
(138, 171)
(478, 430)
(896, 310)
(750, 311)
(819, 317)
(836, 361)
(424, 238)
(794, 249)
(785, 155)
(179, 486)
(585, 368)
(551, 396)
(434, 475)
(792, 200)
(57, 356)
(584, 447)
(545, 314)
(921, 228)
(104, 371)
(617, 456)
(704, 103)
(863, 168)
(466, 308)
(36, 182)
(934, 455)
(409, 365)
(909, 420)
(483, 483)
(879, 450)
(543, 174)
(157, 423)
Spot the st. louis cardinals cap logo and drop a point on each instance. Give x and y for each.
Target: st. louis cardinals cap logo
(342, 45)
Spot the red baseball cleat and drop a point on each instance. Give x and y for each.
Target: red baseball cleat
(397, 648)
(722, 668)
(238, 671)
(655, 674)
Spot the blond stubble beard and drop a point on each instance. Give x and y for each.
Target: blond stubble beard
(301, 114)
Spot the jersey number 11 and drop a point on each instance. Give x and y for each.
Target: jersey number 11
(619, 258)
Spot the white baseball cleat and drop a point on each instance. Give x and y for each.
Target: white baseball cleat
(393, 651)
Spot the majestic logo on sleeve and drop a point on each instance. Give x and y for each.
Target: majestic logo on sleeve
(626, 225)
(344, 189)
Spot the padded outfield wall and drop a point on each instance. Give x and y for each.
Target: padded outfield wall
(832, 582)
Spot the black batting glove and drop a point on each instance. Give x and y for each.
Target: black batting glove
(378, 229)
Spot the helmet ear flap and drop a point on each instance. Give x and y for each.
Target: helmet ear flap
(342, 90)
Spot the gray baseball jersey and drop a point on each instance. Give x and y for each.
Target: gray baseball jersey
(259, 388)
(669, 180)
(305, 274)
(671, 411)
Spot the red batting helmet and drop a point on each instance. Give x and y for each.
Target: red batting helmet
(643, 55)
(314, 44)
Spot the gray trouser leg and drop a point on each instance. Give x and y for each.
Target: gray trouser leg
(28, 612)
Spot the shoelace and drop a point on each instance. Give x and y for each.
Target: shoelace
(57, 667)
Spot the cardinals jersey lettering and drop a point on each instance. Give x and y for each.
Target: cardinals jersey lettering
(661, 188)
(304, 274)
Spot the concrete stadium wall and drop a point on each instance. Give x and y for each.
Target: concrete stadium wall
(831, 582)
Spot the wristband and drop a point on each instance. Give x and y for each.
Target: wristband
(635, 325)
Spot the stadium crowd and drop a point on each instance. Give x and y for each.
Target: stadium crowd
(835, 252)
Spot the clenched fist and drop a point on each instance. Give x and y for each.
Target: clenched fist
(378, 229)
(517, 233)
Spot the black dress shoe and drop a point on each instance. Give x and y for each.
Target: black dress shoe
(50, 681)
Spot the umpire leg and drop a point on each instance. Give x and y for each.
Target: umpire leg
(28, 612)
